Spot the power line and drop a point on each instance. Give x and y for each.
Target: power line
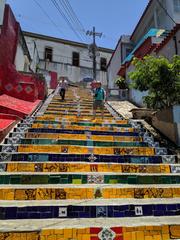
(46, 14)
(69, 14)
(73, 14)
(65, 18)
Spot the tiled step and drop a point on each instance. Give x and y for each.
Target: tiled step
(89, 142)
(86, 167)
(84, 130)
(70, 149)
(89, 211)
(85, 123)
(163, 232)
(151, 228)
(65, 170)
(78, 136)
(77, 119)
(60, 157)
(94, 192)
(91, 178)
(57, 126)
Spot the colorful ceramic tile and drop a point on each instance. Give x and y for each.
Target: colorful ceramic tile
(107, 234)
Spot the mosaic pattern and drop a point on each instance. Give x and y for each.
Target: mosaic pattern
(77, 167)
(85, 179)
(41, 212)
(83, 150)
(164, 232)
(87, 193)
(64, 146)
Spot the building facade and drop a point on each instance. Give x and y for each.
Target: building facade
(158, 20)
(159, 14)
(69, 59)
(123, 48)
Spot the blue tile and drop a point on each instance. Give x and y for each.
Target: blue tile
(159, 213)
(118, 214)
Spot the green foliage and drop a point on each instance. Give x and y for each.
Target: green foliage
(121, 82)
(160, 77)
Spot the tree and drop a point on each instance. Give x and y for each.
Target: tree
(121, 83)
(160, 77)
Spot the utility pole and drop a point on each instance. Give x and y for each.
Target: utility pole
(93, 48)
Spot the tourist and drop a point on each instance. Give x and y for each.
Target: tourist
(99, 99)
(62, 88)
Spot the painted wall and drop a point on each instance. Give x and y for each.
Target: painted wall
(20, 59)
(157, 18)
(134, 95)
(62, 59)
(169, 49)
(2, 6)
(118, 56)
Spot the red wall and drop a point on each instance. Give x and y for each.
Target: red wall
(53, 82)
(12, 83)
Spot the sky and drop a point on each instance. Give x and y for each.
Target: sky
(112, 18)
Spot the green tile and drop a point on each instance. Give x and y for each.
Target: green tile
(84, 179)
(15, 179)
(77, 181)
(53, 180)
(113, 181)
(132, 180)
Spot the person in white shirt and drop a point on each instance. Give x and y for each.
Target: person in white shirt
(62, 88)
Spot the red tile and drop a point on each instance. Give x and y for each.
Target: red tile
(95, 230)
(118, 238)
(117, 230)
(94, 238)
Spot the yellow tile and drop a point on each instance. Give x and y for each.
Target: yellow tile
(149, 228)
(85, 237)
(30, 236)
(127, 236)
(157, 237)
(47, 232)
(141, 228)
(157, 228)
(148, 238)
(175, 231)
(59, 231)
(68, 233)
(140, 235)
(133, 237)
(165, 237)
(52, 237)
(165, 229)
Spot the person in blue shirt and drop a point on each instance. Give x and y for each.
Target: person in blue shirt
(99, 99)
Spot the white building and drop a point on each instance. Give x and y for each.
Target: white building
(23, 58)
(159, 14)
(123, 48)
(67, 58)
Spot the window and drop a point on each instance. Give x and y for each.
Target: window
(48, 54)
(103, 64)
(177, 5)
(75, 59)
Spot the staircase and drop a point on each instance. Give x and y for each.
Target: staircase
(64, 176)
